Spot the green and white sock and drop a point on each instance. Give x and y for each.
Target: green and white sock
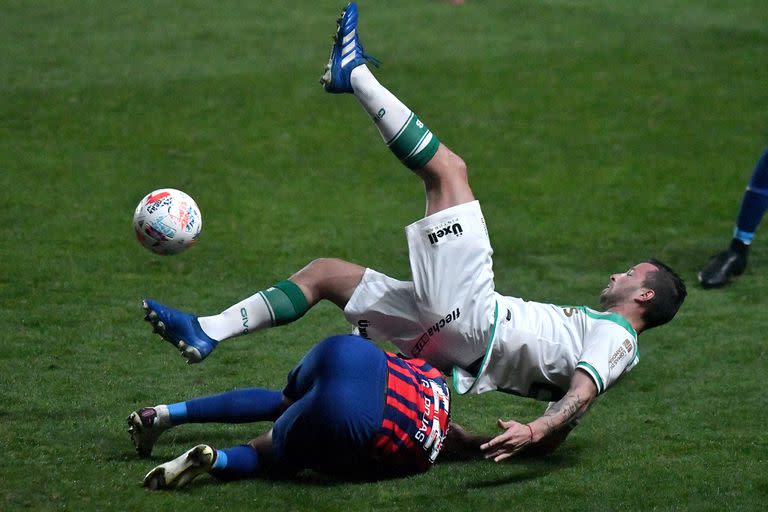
(280, 304)
(407, 137)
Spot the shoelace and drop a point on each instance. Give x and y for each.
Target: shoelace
(371, 59)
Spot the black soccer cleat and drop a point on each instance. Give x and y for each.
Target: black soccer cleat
(722, 267)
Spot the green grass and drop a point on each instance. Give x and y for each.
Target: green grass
(597, 133)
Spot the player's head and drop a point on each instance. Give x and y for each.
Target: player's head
(669, 294)
(650, 285)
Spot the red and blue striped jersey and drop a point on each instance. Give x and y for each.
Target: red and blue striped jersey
(416, 415)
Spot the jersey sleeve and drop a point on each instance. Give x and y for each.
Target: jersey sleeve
(608, 352)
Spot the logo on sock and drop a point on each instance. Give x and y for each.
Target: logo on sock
(244, 315)
(381, 113)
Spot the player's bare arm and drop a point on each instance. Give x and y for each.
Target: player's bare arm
(556, 419)
(569, 409)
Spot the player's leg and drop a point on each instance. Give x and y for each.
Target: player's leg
(282, 303)
(450, 251)
(732, 262)
(240, 406)
(237, 462)
(445, 181)
(443, 172)
(329, 279)
(339, 390)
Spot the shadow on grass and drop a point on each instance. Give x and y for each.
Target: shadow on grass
(521, 469)
(517, 470)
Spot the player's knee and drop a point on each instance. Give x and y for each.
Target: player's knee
(458, 167)
(447, 182)
(328, 278)
(333, 279)
(320, 265)
(262, 444)
(446, 167)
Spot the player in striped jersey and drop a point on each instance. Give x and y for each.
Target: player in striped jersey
(347, 409)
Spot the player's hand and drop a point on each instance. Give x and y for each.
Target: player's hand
(515, 437)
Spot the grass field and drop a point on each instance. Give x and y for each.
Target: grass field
(597, 133)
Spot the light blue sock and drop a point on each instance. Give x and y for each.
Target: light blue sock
(178, 413)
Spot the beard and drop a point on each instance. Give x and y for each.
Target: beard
(611, 297)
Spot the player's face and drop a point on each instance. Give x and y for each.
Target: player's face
(626, 286)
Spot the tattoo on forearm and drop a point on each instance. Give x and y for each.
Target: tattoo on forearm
(567, 409)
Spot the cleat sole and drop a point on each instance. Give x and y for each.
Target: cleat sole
(142, 445)
(182, 470)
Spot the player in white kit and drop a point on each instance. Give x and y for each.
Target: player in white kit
(450, 313)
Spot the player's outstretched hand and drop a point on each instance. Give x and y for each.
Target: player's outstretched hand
(515, 437)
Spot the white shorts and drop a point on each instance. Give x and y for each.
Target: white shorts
(446, 314)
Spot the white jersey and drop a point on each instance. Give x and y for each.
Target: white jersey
(451, 316)
(536, 348)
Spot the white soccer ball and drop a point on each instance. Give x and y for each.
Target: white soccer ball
(167, 221)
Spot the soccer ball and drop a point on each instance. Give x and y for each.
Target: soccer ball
(167, 221)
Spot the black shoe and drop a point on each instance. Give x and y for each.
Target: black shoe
(722, 267)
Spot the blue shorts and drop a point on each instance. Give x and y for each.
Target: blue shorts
(338, 390)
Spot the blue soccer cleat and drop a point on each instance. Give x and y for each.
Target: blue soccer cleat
(181, 330)
(346, 54)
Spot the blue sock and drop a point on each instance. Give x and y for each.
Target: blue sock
(240, 406)
(237, 462)
(754, 203)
